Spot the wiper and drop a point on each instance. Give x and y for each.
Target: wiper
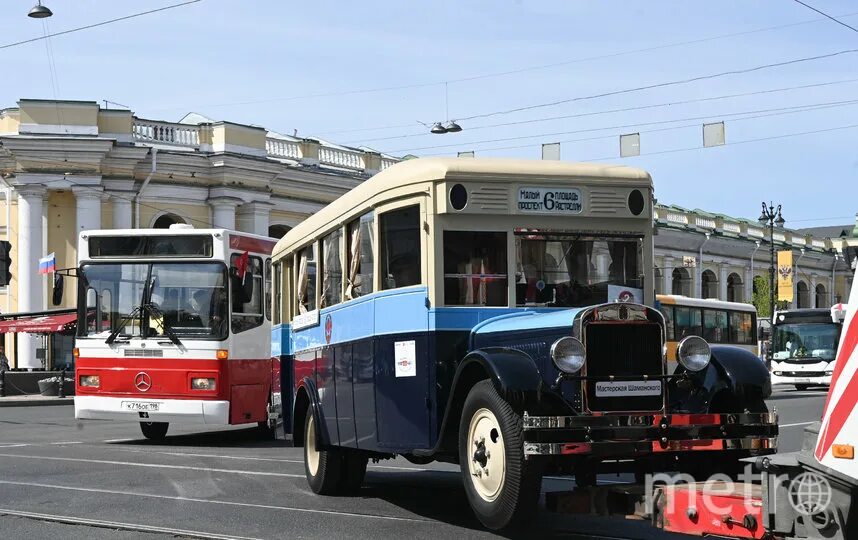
(128, 318)
(168, 330)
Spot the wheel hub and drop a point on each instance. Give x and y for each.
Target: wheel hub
(487, 466)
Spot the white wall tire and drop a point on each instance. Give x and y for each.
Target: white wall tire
(323, 468)
(490, 440)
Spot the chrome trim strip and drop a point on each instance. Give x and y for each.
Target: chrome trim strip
(663, 420)
(556, 449)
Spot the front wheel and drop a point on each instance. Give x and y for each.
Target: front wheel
(502, 488)
(154, 431)
(323, 468)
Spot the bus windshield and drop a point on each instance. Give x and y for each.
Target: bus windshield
(805, 340)
(188, 298)
(574, 270)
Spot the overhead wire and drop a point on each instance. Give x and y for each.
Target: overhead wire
(838, 21)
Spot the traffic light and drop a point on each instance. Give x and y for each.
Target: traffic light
(5, 263)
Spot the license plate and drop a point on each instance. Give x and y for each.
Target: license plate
(628, 388)
(141, 406)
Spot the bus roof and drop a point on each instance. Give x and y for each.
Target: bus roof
(417, 171)
(680, 300)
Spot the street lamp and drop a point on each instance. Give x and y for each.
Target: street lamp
(39, 11)
(772, 218)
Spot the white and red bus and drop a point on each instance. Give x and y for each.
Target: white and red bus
(174, 325)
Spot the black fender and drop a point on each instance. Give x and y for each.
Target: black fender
(314, 407)
(736, 371)
(515, 377)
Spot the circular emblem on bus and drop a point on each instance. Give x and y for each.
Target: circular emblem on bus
(143, 381)
(329, 327)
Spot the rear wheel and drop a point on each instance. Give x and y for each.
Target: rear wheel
(502, 488)
(154, 431)
(323, 468)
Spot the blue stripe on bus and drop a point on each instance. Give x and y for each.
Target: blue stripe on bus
(401, 311)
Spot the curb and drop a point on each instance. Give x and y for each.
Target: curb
(10, 402)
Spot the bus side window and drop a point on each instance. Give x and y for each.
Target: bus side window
(332, 270)
(268, 292)
(715, 326)
(249, 314)
(360, 257)
(278, 292)
(475, 269)
(306, 286)
(687, 322)
(741, 328)
(399, 232)
(287, 289)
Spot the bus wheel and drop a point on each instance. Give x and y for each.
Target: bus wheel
(502, 488)
(322, 467)
(354, 471)
(154, 431)
(802, 386)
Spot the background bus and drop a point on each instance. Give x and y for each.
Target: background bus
(173, 326)
(716, 321)
(804, 343)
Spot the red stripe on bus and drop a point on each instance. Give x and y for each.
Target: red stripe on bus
(843, 408)
(247, 243)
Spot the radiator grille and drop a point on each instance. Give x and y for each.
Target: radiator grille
(632, 349)
(144, 353)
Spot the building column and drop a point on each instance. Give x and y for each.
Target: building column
(723, 272)
(223, 212)
(122, 210)
(88, 205)
(31, 289)
(749, 286)
(667, 275)
(253, 217)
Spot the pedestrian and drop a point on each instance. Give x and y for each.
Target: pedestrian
(4, 362)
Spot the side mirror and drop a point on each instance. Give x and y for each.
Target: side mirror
(57, 295)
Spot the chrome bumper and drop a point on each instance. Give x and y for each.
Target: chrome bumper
(638, 435)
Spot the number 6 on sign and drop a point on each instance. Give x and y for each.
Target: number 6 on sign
(405, 358)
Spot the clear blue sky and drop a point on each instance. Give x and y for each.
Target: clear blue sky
(242, 61)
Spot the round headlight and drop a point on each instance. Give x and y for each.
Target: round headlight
(693, 353)
(567, 353)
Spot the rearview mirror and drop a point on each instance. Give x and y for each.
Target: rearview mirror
(57, 295)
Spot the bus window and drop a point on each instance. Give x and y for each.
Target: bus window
(399, 232)
(249, 314)
(741, 328)
(278, 292)
(306, 286)
(360, 258)
(332, 270)
(715, 326)
(287, 286)
(687, 322)
(475, 270)
(667, 311)
(268, 294)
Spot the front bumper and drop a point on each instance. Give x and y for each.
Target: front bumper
(819, 373)
(189, 411)
(630, 436)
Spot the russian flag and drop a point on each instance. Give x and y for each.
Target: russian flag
(48, 264)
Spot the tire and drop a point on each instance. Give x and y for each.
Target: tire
(354, 471)
(323, 468)
(266, 432)
(154, 431)
(802, 386)
(490, 441)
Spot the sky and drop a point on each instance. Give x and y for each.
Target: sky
(367, 73)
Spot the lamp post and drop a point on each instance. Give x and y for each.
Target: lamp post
(771, 217)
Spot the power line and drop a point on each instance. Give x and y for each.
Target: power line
(423, 133)
(777, 111)
(838, 21)
(94, 25)
(661, 85)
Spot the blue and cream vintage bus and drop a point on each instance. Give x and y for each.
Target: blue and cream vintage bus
(497, 314)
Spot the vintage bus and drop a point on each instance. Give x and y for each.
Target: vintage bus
(173, 326)
(716, 321)
(496, 314)
(804, 343)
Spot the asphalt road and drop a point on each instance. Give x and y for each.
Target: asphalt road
(64, 478)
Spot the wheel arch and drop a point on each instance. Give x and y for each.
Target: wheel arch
(307, 401)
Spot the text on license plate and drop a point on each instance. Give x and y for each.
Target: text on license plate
(628, 388)
(146, 406)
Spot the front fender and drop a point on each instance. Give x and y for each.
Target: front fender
(734, 370)
(513, 373)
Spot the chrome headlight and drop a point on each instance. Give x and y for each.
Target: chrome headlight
(567, 353)
(693, 353)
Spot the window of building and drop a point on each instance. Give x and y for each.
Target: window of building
(332, 269)
(687, 322)
(306, 287)
(715, 326)
(360, 257)
(399, 232)
(5, 263)
(247, 315)
(475, 268)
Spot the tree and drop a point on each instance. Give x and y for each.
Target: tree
(760, 297)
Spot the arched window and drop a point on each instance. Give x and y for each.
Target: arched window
(709, 284)
(165, 220)
(278, 231)
(659, 281)
(821, 296)
(802, 299)
(735, 288)
(681, 282)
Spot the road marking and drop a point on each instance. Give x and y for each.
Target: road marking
(214, 501)
(154, 465)
(116, 525)
(798, 424)
(63, 443)
(118, 440)
(12, 445)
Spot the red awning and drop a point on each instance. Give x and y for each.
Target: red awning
(42, 324)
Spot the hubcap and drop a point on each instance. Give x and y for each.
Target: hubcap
(311, 454)
(487, 466)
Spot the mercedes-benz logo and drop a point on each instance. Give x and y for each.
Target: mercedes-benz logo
(143, 381)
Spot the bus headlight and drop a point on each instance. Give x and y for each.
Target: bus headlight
(90, 380)
(202, 384)
(693, 353)
(567, 353)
